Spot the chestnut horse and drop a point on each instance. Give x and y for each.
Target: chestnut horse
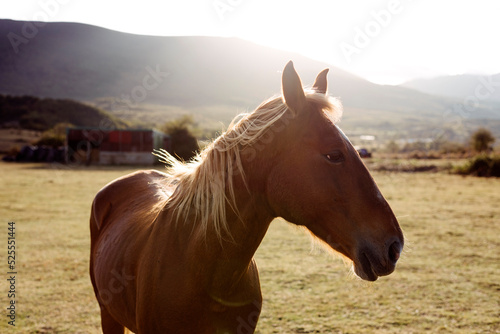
(173, 252)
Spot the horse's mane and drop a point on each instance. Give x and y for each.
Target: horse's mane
(205, 184)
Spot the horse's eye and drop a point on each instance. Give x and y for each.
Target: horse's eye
(335, 157)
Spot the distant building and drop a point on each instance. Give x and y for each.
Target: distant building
(115, 147)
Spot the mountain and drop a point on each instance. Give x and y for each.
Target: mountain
(152, 79)
(484, 88)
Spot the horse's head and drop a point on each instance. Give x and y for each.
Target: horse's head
(318, 180)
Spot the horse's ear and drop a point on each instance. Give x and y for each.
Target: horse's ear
(320, 84)
(293, 93)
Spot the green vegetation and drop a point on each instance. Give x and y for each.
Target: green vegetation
(54, 137)
(481, 165)
(478, 163)
(184, 144)
(479, 141)
(435, 149)
(482, 139)
(447, 280)
(32, 113)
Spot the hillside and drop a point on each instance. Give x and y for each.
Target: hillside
(33, 113)
(153, 79)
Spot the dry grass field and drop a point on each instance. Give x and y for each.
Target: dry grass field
(447, 281)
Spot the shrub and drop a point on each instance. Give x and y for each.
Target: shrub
(481, 165)
(424, 155)
(451, 147)
(52, 141)
(184, 143)
(482, 139)
(495, 167)
(433, 155)
(54, 137)
(417, 154)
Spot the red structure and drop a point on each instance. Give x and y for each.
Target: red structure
(115, 147)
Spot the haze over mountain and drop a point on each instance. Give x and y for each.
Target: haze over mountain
(152, 79)
(487, 88)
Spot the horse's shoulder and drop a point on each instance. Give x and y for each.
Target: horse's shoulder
(131, 183)
(124, 192)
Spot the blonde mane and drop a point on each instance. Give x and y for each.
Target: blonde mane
(204, 185)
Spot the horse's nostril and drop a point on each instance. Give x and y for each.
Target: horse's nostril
(394, 251)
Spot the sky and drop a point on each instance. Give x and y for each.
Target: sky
(384, 41)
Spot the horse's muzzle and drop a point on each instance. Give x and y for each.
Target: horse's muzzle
(370, 264)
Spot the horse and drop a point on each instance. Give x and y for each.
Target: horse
(172, 252)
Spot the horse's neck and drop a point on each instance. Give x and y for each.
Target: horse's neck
(233, 270)
(247, 228)
(227, 263)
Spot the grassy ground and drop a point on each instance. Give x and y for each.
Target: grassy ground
(447, 281)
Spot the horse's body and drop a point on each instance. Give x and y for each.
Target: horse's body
(173, 253)
(156, 284)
